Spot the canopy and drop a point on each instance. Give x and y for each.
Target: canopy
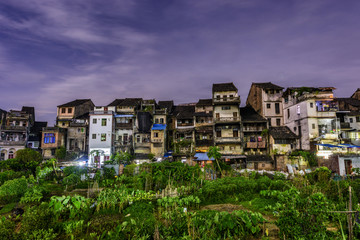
(349, 145)
(330, 145)
(123, 115)
(159, 127)
(202, 157)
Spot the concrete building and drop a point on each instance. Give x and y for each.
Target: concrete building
(14, 132)
(142, 136)
(52, 139)
(101, 134)
(227, 121)
(67, 112)
(77, 135)
(311, 114)
(204, 133)
(266, 99)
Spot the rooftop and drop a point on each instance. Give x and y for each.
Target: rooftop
(184, 112)
(248, 114)
(224, 87)
(268, 85)
(282, 132)
(204, 102)
(75, 103)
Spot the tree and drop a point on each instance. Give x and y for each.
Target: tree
(60, 153)
(28, 159)
(214, 153)
(122, 158)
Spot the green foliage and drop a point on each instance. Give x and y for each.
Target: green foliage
(321, 175)
(70, 207)
(308, 156)
(8, 208)
(122, 158)
(33, 195)
(8, 175)
(42, 234)
(6, 228)
(37, 218)
(13, 190)
(74, 170)
(60, 153)
(71, 180)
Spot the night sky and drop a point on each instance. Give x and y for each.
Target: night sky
(55, 51)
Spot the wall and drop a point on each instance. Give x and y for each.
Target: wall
(98, 130)
(355, 163)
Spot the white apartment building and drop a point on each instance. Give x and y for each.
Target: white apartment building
(311, 114)
(101, 135)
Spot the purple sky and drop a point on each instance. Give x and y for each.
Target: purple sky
(53, 51)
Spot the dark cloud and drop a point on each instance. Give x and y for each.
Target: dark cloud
(56, 51)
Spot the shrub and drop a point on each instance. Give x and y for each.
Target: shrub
(6, 228)
(33, 195)
(13, 190)
(36, 218)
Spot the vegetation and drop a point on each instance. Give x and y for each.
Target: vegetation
(170, 201)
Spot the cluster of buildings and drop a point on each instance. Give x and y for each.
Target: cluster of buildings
(274, 122)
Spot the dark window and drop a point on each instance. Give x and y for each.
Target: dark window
(277, 91)
(277, 108)
(358, 119)
(138, 138)
(351, 120)
(269, 121)
(156, 120)
(103, 122)
(311, 105)
(268, 105)
(278, 122)
(235, 133)
(218, 133)
(94, 121)
(69, 110)
(156, 135)
(63, 110)
(294, 129)
(94, 136)
(313, 126)
(288, 113)
(225, 108)
(161, 120)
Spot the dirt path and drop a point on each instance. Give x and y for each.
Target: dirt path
(273, 230)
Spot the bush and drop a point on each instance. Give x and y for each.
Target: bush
(9, 175)
(7, 228)
(33, 195)
(37, 218)
(13, 190)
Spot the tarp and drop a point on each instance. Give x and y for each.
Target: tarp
(349, 145)
(202, 157)
(158, 127)
(168, 154)
(330, 145)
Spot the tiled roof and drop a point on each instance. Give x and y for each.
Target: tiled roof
(282, 132)
(169, 105)
(353, 114)
(268, 85)
(204, 102)
(248, 114)
(351, 101)
(224, 87)
(75, 103)
(116, 102)
(203, 114)
(357, 90)
(184, 112)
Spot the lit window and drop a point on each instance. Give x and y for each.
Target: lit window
(103, 137)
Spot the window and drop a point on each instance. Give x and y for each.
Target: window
(94, 136)
(298, 110)
(94, 121)
(218, 133)
(277, 91)
(268, 105)
(103, 122)
(103, 137)
(225, 98)
(288, 113)
(156, 135)
(277, 108)
(63, 124)
(218, 97)
(278, 122)
(351, 120)
(156, 120)
(271, 91)
(126, 138)
(225, 108)
(161, 120)
(63, 110)
(232, 148)
(313, 126)
(69, 110)
(311, 105)
(49, 138)
(235, 133)
(358, 119)
(11, 155)
(294, 129)
(138, 138)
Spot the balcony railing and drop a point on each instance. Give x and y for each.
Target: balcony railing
(124, 125)
(12, 143)
(100, 112)
(122, 143)
(227, 139)
(13, 128)
(185, 124)
(256, 145)
(344, 125)
(253, 129)
(226, 100)
(226, 119)
(144, 144)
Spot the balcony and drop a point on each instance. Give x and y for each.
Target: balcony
(156, 140)
(181, 125)
(124, 126)
(14, 128)
(227, 139)
(101, 112)
(255, 145)
(345, 125)
(227, 100)
(144, 144)
(253, 129)
(226, 119)
(204, 142)
(122, 143)
(12, 143)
